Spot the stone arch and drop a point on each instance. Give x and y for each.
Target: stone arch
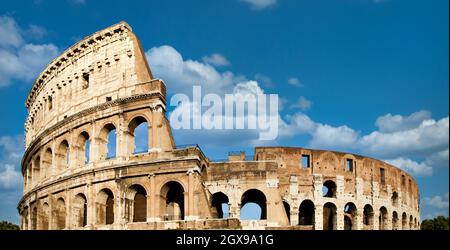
(134, 126)
(63, 155)
(329, 216)
(306, 215)
(45, 216)
(36, 169)
(395, 225)
(368, 214)
(172, 200)
(137, 203)
(287, 210)
(383, 219)
(47, 158)
(107, 142)
(394, 199)
(60, 214)
(220, 201)
(404, 221)
(105, 207)
(257, 197)
(411, 221)
(329, 189)
(34, 217)
(79, 211)
(415, 223)
(83, 148)
(25, 218)
(350, 214)
(328, 162)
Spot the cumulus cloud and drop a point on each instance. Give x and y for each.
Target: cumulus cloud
(302, 104)
(294, 82)
(20, 60)
(439, 202)
(216, 59)
(412, 167)
(393, 123)
(10, 155)
(168, 64)
(260, 4)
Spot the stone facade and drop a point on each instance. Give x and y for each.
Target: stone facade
(103, 85)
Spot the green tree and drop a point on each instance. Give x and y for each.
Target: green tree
(438, 223)
(5, 225)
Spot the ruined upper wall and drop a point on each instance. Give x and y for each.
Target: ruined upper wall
(102, 67)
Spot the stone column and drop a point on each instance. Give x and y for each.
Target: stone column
(318, 215)
(68, 205)
(339, 219)
(376, 219)
(294, 216)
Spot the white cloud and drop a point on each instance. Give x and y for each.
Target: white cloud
(9, 32)
(20, 60)
(326, 136)
(439, 202)
(216, 59)
(260, 4)
(9, 177)
(412, 167)
(429, 137)
(294, 82)
(302, 103)
(393, 123)
(168, 64)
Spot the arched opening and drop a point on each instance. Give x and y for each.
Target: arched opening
(138, 129)
(329, 216)
(44, 217)
(25, 218)
(138, 197)
(47, 163)
(37, 170)
(79, 211)
(287, 210)
(107, 142)
(368, 217)
(329, 189)
(105, 207)
(411, 225)
(395, 221)
(383, 218)
(220, 202)
(251, 200)
(84, 144)
(34, 215)
(172, 194)
(350, 214)
(394, 199)
(404, 221)
(415, 222)
(306, 216)
(60, 212)
(63, 155)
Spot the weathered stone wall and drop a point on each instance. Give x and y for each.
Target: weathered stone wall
(69, 185)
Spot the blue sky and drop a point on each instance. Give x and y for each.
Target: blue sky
(365, 76)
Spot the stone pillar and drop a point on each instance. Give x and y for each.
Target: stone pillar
(123, 138)
(68, 200)
(91, 208)
(340, 186)
(376, 219)
(190, 213)
(318, 215)
(318, 185)
(340, 219)
(152, 200)
(294, 216)
(358, 221)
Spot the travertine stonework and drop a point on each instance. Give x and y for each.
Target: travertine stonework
(103, 85)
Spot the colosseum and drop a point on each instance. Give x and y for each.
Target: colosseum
(102, 89)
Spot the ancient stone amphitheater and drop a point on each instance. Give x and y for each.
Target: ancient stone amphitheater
(102, 89)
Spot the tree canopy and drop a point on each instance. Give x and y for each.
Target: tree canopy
(5, 225)
(438, 223)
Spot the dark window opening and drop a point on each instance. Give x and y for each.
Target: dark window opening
(382, 176)
(403, 180)
(108, 98)
(85, 80)
(50, 103)
(349, 165)
(329, 189)
(305, 161)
